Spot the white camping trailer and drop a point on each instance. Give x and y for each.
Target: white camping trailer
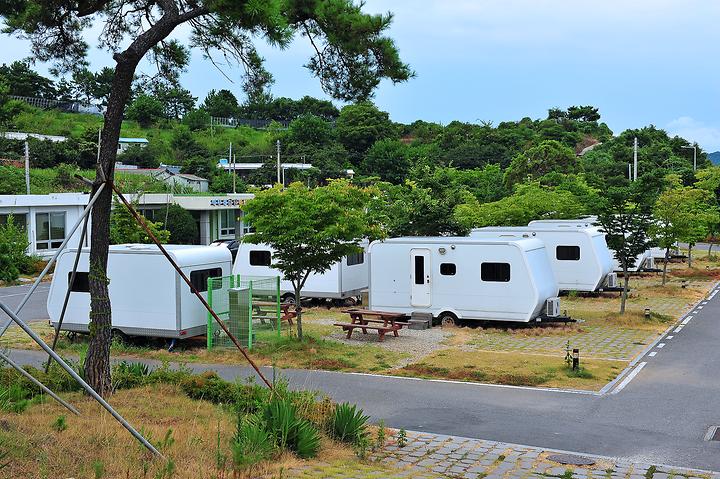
(148, 297)
(345, 279)
(644, 261)
(463, 278)
(579, 256)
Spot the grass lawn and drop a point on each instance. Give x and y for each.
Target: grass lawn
(95, 445)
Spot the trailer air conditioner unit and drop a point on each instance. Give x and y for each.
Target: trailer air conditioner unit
(552, 307)
(611, 280)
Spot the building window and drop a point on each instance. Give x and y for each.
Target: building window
(149, 213)
(260, 258)
(81, 283)
(19, 219)
(199, 278)
(448, 269)
(50, 228)
(495, 272)
(227, 223)
(355, 258)
(567, 253)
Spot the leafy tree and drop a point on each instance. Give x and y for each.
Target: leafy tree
(180, 223)
(309, 129)
(708, 179)
(549, 156)
(221, 104)
(146, 110)
(222, 182)
(362, 124)
(9, 108)
(387, 159)
(124, 229)
(528, 202)
(670, 220)
(267, 108)
(13, 245)
(185, 146)
(12, 180)
(625, 218)
(352, 55)
(93, 87)
(24, 81)
(583, 113)
(309, 229)
(176, 101)
(197, 119)
(141, 156)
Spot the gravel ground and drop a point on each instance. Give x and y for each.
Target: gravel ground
(417, 344)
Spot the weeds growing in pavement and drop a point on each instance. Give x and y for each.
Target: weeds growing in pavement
(402, 438)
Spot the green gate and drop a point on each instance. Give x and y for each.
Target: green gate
(248, 306)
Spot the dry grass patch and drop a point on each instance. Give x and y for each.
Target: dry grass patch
(94, 445)
(519, 369)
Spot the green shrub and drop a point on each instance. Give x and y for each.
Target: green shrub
(349, 424)
(290, 431)
(306, 439)
(210, 387)
(129, 375)
(251, 443)
(14, 398)
(13, 244)
(60, 423)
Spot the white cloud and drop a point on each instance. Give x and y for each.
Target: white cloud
(707, 136)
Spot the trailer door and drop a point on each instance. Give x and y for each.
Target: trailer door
(420, 292)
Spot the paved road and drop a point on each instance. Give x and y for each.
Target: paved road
(36, 307)
(661, 416)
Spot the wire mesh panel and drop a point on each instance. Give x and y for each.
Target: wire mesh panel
(247, 305)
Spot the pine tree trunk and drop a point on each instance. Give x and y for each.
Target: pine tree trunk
(690, 255)
(298, 311)
(667, 255)
(710, 249)
(623, 298)
(97, 362)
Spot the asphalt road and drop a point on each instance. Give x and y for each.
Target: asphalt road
(660, 417)
(36, 307)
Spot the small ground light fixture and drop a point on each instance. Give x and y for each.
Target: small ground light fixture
(576, 359)
(647, 312)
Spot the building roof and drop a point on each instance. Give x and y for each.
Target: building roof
(133, 140)
(53, 199)
(190, 177)
(22, 136)
(223, 163)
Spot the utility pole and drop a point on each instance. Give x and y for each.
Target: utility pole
(629, 171)
(635, 165)
(694, 149)
(278, 161)
(234, 171)
(27, 168)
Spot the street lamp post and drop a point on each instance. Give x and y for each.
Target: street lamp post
(694, 149)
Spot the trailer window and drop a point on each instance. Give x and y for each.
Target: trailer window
(260, 258)
(567, 253)
(355, 258)
(81, 283)
(199, 278)
(448, 269)
(498, 272)
(419, 269)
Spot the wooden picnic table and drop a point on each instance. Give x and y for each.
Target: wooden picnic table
(287, 315)
(362, 319)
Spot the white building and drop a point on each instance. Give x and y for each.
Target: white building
(125, 143)
(49, 218)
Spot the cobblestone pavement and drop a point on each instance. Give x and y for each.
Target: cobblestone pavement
(594, 342)
(430, 455)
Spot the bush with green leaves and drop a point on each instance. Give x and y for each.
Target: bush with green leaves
(251, 443)
(289, 430)
(129, 375)
(348, 424)
(13, 245)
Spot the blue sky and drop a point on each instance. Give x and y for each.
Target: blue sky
(640, 61)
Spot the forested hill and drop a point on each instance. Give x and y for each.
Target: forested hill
(714, 157)
(432, 178)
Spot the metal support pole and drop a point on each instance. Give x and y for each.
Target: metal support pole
(278, 161)
(69, 288)
(85, 212)
(39, 384)
(80, 380)
(635, 159)
(184, 277)
(27, 168)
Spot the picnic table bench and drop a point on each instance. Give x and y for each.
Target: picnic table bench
(362, 319)
(266, 313)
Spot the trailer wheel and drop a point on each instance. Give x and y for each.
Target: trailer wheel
(288, 298)
(448, 319)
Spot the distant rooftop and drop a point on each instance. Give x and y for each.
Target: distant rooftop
(22, 136)
(133, 140)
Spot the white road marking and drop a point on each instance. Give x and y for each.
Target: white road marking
(704, 302)
(677, 330)
(22, 294)
(670, 337)
(686, 320)
(699, 307)
(652, 355)
(696, 311)
(661, 345)
(629, 378)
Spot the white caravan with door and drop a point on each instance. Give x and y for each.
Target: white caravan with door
(463, 278)
(148, 297)
(345, 279)
(643, 261)
(579, 257)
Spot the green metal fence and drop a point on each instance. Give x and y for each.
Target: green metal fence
(247, 305)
